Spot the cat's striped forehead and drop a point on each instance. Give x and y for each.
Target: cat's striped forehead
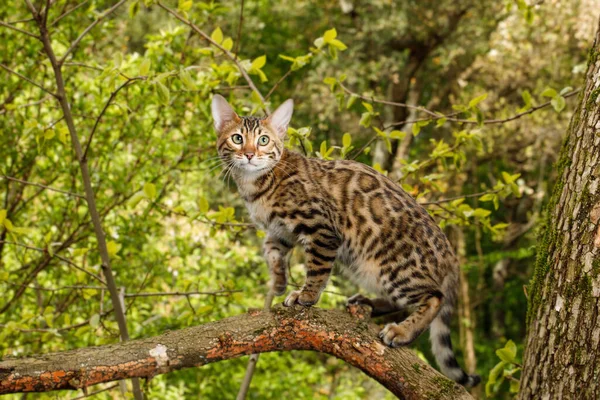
(251, 124)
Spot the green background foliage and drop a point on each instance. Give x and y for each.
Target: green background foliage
(140, 84)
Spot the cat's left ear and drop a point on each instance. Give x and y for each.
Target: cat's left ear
(280, 119)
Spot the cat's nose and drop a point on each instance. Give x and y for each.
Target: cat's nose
(249, 155)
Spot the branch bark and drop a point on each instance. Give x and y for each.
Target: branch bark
(348, 336)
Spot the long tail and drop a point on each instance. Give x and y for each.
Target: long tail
(441, 345)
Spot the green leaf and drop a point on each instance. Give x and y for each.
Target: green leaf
(113, 248)
(481, 212)
(351, 101)
(526, 98)
(329, 35)
(338, 44)
(259, 62)
(135, 199)
(217, 35)
(8, 224)
(368, 106)
(203, 205)
(416, 128)
(145, 66)
(323, 148)
(185, 5)
(487, 197)
(227, 44)
(549, 92)
(506, 354)
(558, 103)
(331, 81)
(164, 95)
(565, 90)
(397, 134)
(477, 100)
(150, 190)
(365, 119)
(134, 8)
(347, 140)
(185, 77)
(95, 321)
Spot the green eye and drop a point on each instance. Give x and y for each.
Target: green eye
(237, 139)
(263, 140)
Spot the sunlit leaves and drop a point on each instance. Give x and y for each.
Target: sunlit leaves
(217, 35)
(329, 39)
(113, 248)
(297, 62)
(505, 370)
(256, 68)
(557, 100)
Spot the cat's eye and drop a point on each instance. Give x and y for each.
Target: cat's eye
(263, 140)
(237, 138)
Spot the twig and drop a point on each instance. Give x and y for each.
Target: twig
(450, 117)
(4, 67)
(96, 392)
(239, 32)
(68, 12)
(465, 196)
(186, 294)
(218, 46)
(110, 99)
(66, 260)
(75, 43)
(14, 28)
(42, 186)
(277, 84)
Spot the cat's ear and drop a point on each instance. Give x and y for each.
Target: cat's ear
(222, 113)
(280, 119)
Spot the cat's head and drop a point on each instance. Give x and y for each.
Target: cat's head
(250, 144)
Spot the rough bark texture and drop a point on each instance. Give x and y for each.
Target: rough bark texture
(561, 358)
(348, 336)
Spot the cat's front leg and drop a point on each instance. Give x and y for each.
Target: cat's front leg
(276, 251)
(320, 254)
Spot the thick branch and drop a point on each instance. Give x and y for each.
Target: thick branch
(348, 337)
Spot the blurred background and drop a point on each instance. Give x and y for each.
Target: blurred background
(490, 88)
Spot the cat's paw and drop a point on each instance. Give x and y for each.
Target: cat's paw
(278, 288)
(396, 335)
(358, 299)
(300, 297)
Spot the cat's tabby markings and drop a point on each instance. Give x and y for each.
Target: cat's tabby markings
(345, 211)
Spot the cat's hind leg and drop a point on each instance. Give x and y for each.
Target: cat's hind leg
(404, 333)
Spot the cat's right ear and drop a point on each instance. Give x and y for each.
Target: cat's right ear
(222, 113)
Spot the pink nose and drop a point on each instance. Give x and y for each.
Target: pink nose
(249, 155)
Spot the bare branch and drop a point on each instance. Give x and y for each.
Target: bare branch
(347, 336)
(278, 83)
(236, 49)
(464, 196)
(87, 30)
(42, 186)
(186, 294)
(4, 67)
(14, 28)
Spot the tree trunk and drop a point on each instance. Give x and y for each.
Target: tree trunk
(561, 359)
(348, 336)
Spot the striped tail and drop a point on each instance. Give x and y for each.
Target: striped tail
(441, 345)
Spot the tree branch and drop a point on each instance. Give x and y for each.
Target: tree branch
(348, 337)
(9, 178)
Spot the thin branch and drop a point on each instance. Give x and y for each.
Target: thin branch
(239, 32)
(76, 42)
(67, 13)
(450, 117)
(110, 99)
(223, 50)
(14, 28)
(42, 186)
(186, 294)
(277, 84)
(111, 387)
(4, 67)
(464, 196)
(63, 259)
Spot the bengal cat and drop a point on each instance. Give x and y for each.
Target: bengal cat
(345, 211)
